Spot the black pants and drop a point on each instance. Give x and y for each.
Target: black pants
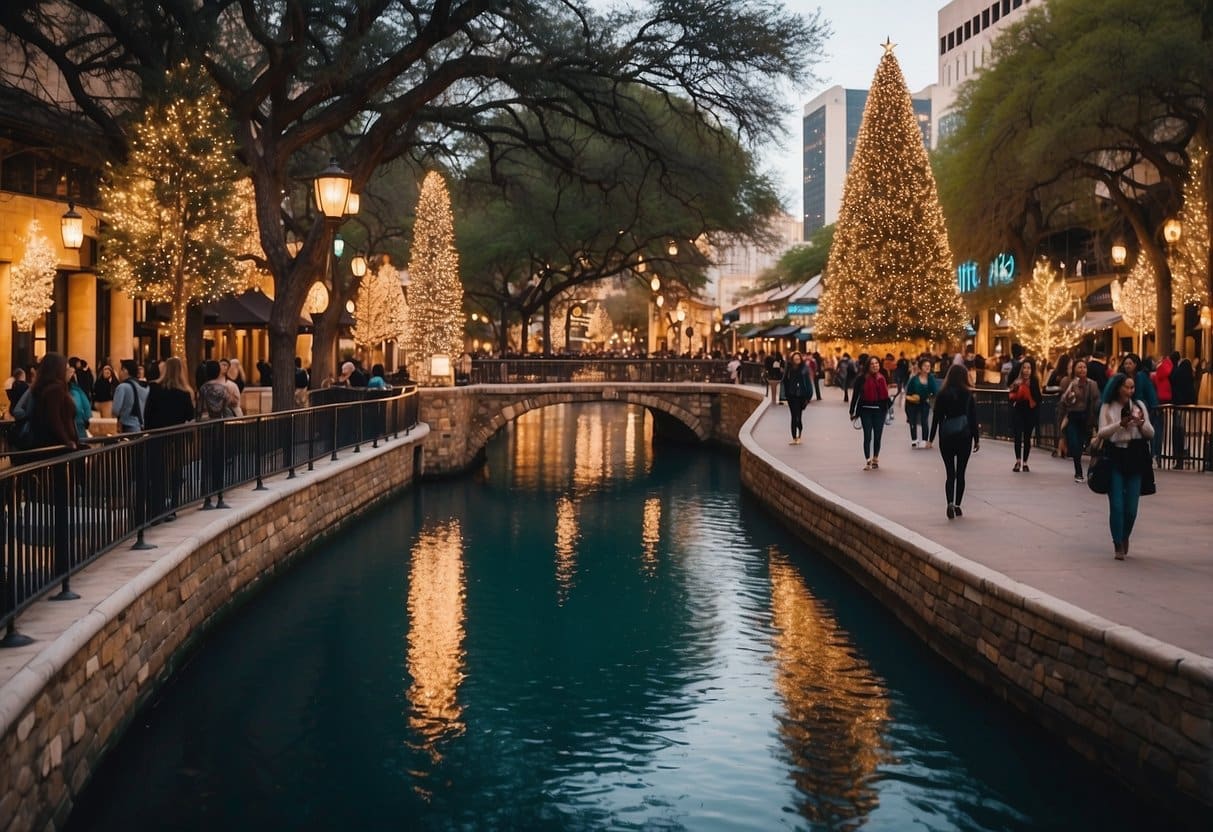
(955, 451)
(1022, 428)
(796, 405)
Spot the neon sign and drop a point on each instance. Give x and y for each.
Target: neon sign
(967, 279)
(1001, 272)
(802, 308)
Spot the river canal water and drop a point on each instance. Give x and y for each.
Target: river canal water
(589, 633)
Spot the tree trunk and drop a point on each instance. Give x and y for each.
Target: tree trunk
(324, 340)
(193, 337)
(547, 328)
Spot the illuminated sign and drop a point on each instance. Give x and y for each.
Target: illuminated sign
(802, 308)
(1000, 273)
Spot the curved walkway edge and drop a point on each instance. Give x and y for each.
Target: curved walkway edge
(65, 698)
(1137, 705)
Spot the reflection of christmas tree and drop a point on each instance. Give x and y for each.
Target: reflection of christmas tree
(32, 286)
(1039, 316)
(435, 322)
(890, 272)
(1190, 271)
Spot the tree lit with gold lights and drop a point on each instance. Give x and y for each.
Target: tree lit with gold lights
(31, 289)
(1138, 298)
(379, 311)
(890, 275)
(1039, 318)
(175, 219)
(1190, 271)
(435, 320)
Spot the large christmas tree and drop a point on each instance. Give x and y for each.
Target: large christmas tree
(890, 276)
(435, 320)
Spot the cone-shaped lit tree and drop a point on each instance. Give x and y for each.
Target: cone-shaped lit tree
(890, 276)
(379, 312)
(32, 288)
(1040, 316)
(1191, 269)
(177, 217)
(435, 320)
(1138, 298)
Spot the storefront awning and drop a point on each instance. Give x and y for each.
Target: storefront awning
(1095, 321)
(804, 335)
(783, 331)
(732, 316)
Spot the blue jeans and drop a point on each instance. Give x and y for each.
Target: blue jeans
(872, 419)
(918, 415)
(1077, 434)
(1122, 504)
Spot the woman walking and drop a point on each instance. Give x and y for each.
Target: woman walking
(869, 403)
(1025, 418)
(1080, 403)
(797, 389)
(1124, 425)
(920, 390)
(955, 421)
(50, 409)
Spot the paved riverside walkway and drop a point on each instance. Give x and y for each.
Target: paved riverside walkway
(1040, 528)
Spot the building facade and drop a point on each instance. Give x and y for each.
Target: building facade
(831, 127)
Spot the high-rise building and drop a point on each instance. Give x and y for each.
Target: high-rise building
(967, 29)
(831, 126)
(736, 267)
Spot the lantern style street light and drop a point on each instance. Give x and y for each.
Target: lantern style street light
(1119, 253)
(672, 249)
(352, 203)
(358, 265)
(655, 283)
(71, 228)
(332, 190)
(1172, 230)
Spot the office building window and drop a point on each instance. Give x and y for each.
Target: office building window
(1006, 7)
(976, 24)
(995, 12)
(959, 36)
(985, 18)
(951, 40)
(968, 30)
(1015, 4)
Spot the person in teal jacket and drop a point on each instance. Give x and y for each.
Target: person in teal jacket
(84, 408)
(920, 393)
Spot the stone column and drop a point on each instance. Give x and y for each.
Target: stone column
(122, 327)
(82, 316)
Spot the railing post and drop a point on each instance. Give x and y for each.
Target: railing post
(219, 503)
(140, 452)
(311, 439)
(360, 409)
(257, 451)
(336, 420)
(290, 447)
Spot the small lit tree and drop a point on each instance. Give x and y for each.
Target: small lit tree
(32, 285)
(601, 326)
(1191, 268)
(379, 311)
(435, 320)
(1039, 317)
(1138, 298)
(177, 215)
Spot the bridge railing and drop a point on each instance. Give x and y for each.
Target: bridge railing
(567, 370)
(58, 514)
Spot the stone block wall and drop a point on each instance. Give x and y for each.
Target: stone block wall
(1140, 708)
(81, 690)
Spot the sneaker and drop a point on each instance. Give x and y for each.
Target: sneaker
(913, 443)
(1026, 469)
(929, 445)
(170, 517)
(869, 466)
(1120, 550)
(793, 442)
(959, 513)
(1080, 479)
(1015, 470)
(951, 511)
(875, 463)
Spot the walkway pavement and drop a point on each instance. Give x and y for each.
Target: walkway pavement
(1041, 528)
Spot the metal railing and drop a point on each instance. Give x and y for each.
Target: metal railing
(637, 370)
(1183, 441)
(60, 513)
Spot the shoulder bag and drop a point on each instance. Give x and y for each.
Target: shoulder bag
(1099, 470)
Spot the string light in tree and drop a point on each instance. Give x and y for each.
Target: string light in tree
(177, 215)
(435, 320)
(1039, 316)
(890, 275)
(31, 289)
(381, 314)
(1138, 301)
(1190, 268)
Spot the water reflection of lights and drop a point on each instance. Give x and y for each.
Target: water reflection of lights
(567, 538)
(835, 707)
(435, 636)
(650, 534)
(546, 452)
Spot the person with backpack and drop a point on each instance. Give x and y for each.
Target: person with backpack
(130, 398)
(47, 412)
(774, 373)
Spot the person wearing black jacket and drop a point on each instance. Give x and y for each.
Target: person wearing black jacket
(797, 390)
(955, 420)
(169, 402)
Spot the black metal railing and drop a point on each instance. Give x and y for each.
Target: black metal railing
(1184, 433)
(638, 370)
(59, 513)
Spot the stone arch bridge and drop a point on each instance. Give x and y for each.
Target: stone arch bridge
(463, 419)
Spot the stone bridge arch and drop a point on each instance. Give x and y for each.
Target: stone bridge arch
(462, 420)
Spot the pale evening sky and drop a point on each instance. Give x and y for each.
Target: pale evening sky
(851, 55)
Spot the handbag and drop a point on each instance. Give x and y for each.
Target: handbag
(857, 423)
(1099, 471)
(913, 398)
(1145, 464)
(954, 426)
(888, 416)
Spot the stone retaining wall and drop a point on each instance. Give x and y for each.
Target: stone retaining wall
(60, 712)
(1140, 708)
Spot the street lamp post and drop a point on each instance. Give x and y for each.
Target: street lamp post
(71, 228)
(1172, 231)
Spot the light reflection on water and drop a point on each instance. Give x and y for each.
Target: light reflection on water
(597, 634)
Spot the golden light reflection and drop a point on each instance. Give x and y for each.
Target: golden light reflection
(435, 637)
(567, 537)
(650, 534)
(604, 440)
(591, 458)
(835, 707)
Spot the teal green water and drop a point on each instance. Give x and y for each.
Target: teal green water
(590, 633)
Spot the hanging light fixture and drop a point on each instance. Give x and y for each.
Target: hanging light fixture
(655, 283)
(1172, 230)
(338, 246)
(352, 203)
(1119, 253)
(358, 265)
(71, 228)
(660, 300)
(332, 190)
(672, 249)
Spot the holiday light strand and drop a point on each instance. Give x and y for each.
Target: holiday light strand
(1039, 319)
(435, 320)
(32, 283)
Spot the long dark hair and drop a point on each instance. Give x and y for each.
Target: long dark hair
(1112, 392)
(957, 378)
(52, 370)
